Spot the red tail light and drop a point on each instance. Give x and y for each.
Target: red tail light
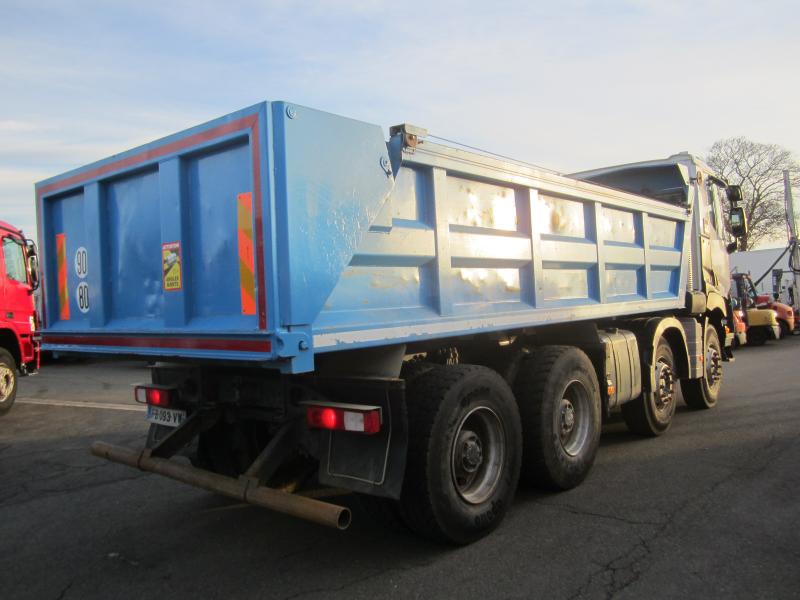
(155, 396)
(345, 418)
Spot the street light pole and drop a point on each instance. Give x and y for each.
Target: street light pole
(791, 217)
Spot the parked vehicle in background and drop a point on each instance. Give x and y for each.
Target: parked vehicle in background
(746, 291)
(19, 277)
(413, 322)
(761, 324)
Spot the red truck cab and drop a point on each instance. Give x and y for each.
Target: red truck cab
(19, 345)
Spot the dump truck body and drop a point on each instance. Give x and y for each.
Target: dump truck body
(269, 238)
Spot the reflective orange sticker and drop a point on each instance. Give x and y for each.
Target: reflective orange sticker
(247, 278)
(61, 262)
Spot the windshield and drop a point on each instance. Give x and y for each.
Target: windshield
(15, 260)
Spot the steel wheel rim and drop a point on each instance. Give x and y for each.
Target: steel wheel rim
(574, 417)
(6, 382)
(665, 388)
(477, 456)
(713, 365)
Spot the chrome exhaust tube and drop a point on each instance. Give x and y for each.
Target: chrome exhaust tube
(242, 489)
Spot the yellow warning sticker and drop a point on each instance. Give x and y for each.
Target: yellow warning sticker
(171, 265)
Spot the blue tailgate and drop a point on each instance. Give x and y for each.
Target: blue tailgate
(169, 249)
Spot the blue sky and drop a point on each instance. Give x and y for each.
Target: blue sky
(568, 85)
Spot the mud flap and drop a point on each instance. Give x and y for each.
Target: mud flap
(370, 464)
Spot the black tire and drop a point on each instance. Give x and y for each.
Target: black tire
(703, 393)
(757, 336)
(651, 413)
(559, 404)
(8, 381)
(415, 367)
(454, 491)
(785, 332)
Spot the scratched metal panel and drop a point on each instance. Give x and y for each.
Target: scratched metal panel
(134, 250)
(214, 179)
(498, 249)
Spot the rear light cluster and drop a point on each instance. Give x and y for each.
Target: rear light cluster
(155, 396)
(340, 418)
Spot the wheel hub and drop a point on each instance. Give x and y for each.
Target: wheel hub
(666, 387)
(471, 451)
(478, 455)
(6, 382)
(713, 365)
(567, 416)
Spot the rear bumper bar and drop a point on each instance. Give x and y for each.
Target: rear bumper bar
(243, 489)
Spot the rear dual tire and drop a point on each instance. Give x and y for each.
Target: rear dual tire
(559, 404)
(464, 453)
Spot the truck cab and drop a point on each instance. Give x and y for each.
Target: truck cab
(19, 278)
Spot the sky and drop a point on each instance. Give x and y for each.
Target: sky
(568, 85)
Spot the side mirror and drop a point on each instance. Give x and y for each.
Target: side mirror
(734, 194)
(738, 222)
(33, 270)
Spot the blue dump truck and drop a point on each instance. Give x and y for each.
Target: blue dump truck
(415, 323)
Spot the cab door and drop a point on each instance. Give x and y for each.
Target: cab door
(17, 302)
(713, 252)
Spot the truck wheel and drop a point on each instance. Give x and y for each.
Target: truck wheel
(464, 450)
(8, 381)
(651, 413)
(559, 404)
(756, 336)
(704, 392)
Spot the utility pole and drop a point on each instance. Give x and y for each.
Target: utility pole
(792, 219)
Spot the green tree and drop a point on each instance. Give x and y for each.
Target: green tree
(758, 168)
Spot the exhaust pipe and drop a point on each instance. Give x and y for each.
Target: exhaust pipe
(242, 489)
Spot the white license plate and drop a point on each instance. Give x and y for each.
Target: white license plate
(165, 416)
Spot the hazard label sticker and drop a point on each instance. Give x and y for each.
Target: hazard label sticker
(171, 265)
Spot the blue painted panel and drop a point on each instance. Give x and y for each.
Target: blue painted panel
(134, 252)
(214, 179)
(331, 185)
(65, 215)
(624, 282)
(665, 282)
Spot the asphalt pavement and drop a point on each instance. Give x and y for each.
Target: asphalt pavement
(709, 510)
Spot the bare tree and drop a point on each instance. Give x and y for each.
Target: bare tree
(758, 168)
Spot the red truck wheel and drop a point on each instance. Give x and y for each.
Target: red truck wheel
(8, 381)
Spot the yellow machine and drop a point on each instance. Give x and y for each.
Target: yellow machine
(762, 325)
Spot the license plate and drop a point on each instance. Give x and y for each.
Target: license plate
(165, 416)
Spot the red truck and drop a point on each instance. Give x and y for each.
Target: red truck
(19, 346)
